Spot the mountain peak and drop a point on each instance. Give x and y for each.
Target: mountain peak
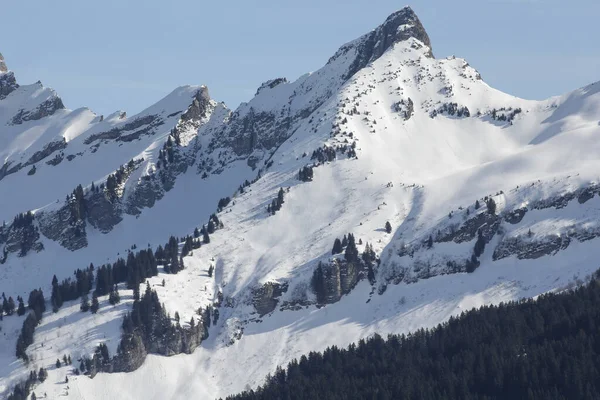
(3, 67)
(398, 27)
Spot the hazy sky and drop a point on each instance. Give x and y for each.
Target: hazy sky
(127, 54)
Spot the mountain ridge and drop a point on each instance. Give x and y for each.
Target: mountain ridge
(485, 201)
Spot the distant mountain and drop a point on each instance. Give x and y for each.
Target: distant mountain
(444, 194)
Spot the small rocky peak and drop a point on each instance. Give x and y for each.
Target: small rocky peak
(401, 26)
(3, 67)
(398, 27)
(270, 84)
(199, 106)
(8, 83)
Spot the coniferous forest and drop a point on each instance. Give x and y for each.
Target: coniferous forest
(547, 348)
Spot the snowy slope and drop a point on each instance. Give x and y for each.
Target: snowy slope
(430, 139)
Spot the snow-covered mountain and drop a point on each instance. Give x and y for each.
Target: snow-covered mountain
(488, 197)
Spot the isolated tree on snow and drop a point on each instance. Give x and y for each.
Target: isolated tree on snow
(491, 206)
(388, 227)
(430, 242)
(57, 363)
(210, 271)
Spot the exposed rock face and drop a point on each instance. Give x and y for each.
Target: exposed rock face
(129, 131)
(47, 108)
(340, 277)
(134, 351)
(270, 84)
(266, 297)
(3, 67)
(46, 151)
(398, 27)
(101, 213)
(488, 223)
(20, 238)
(8, 84)
(191, 119)
(61, 227)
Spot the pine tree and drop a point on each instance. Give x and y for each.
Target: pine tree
(85, 303)
(42, 375)
(337, 247)
(479, 244)
(210, 228)
(95, 304)
(21, 308)
(430, 242)
(388, 227)
(196, 233)
(491, 206)
(351, 254)
(205, 236)
(210, 271)
(57, 363)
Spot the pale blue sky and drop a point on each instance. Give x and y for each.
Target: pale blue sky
(127, 54)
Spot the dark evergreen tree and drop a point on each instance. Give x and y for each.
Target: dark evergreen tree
(21, 308)
(479, 244)
(95, 304)
(388, 227)
(210, 227)
(430, 242)
(351, 253)
(491, 206)
(318, 283)
(210, 271)
(43, 374)
(337, 247)
(85, 303)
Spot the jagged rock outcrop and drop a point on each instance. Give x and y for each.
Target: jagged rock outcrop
(20, 237)
(270, 84)
(339, 278)
(102, 214)
(46, 151)
(398, 27)
(129, 131)
(61, 227)
(266, 297)
(133, 351)
(484, 221)
(3, 67)
(193, 117)
(8, 84)
(47, 108)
